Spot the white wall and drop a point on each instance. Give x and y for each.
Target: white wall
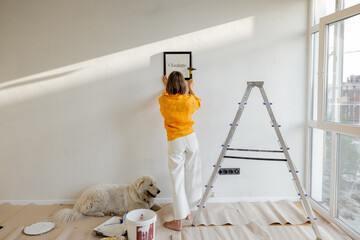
(79, 82)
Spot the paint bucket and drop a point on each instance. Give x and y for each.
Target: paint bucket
(140, 224)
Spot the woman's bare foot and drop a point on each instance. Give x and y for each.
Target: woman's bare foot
(188, 217)
(174, 225)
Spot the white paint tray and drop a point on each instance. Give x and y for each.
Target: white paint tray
(111, 228)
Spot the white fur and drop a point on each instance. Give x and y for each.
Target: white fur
(111, 199)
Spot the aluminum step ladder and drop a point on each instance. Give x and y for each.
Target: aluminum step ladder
(284, 149)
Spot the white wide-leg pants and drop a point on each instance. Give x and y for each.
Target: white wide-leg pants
(185, 173)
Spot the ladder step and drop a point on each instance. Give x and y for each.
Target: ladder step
(254, 150)
(259, 159)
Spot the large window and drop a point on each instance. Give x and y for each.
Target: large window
(334, 112)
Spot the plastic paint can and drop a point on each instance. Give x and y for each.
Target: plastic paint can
(141, 229)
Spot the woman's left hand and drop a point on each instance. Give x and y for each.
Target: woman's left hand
(164, 79)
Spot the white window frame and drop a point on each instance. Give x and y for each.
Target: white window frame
(334, 128)
(324, 22)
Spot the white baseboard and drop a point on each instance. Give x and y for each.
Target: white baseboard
(158, 200)
(253, 199)
(39, 202)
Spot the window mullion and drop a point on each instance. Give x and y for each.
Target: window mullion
(321, 71)
(333, 176)
(339, 5)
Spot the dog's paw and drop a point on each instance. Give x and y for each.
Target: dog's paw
(99, 214)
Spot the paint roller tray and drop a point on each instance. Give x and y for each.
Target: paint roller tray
(111, 228)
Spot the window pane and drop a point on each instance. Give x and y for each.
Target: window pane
(320, 167)
(314, 77)
(349, 3)
(348, 208)
(323, 8)
(343, 72)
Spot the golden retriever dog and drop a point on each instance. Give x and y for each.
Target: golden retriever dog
(112, 199)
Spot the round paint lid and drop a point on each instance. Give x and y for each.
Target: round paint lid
(39, 228)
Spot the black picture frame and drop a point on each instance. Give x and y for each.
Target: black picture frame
(178, 61)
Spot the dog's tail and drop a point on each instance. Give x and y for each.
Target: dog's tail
(66, 215)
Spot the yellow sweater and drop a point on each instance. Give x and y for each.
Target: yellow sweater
(177, 110)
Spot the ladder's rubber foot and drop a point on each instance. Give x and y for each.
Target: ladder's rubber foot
(205, 185)
(299, 194)
(289, 170)
(203, 206)
(212, 186)
(297, 171)
(192, 225)
(306, 195)
(315, 219)
(213, 165)
(308, 218)
(198, 206)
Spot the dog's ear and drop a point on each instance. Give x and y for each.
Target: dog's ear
(138, 182)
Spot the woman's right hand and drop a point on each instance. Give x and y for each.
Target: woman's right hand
(191, 85)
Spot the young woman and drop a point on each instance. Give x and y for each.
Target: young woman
(177, 104)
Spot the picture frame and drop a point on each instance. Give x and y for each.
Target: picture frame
(178, 61)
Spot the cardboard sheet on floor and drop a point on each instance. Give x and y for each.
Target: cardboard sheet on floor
(253, 231)
(246, 216)
(242, 213)
(249, 231)
(305, 232)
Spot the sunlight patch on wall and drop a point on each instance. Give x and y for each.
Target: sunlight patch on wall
(117, 64)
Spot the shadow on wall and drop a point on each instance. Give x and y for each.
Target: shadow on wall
(29, 81)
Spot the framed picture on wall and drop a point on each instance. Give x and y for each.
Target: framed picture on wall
(177, 61)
